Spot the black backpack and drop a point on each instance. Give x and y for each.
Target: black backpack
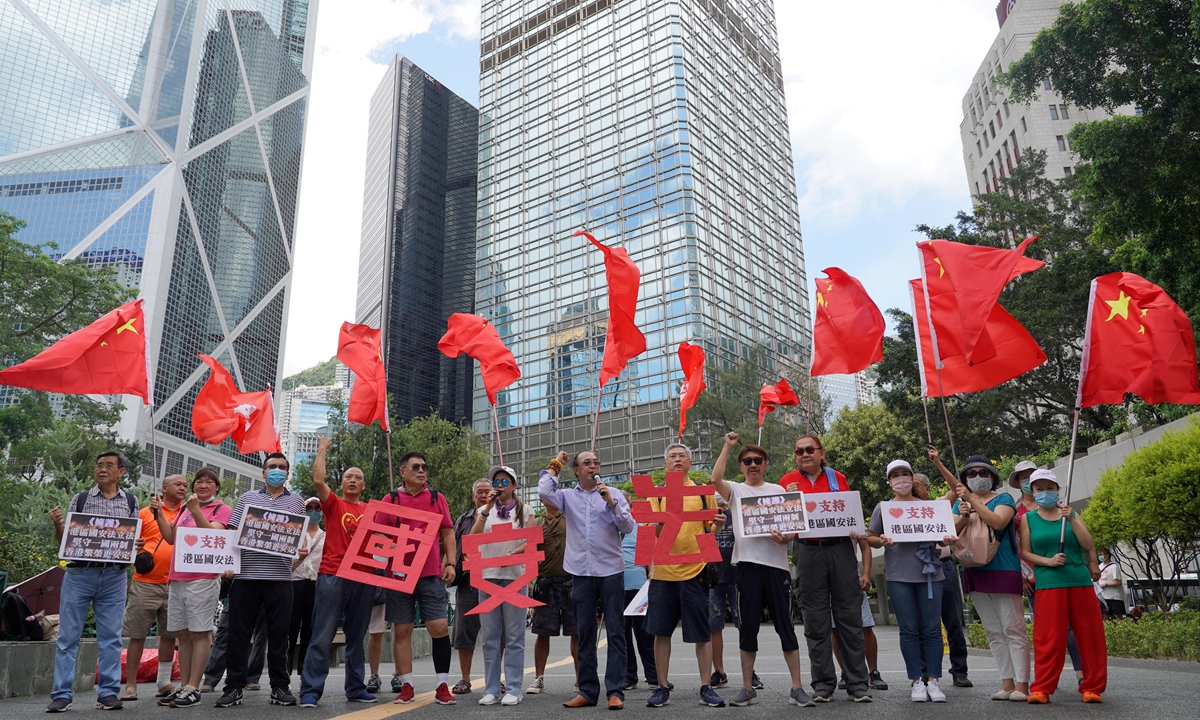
(16, 619)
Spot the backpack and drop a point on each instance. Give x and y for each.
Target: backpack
(17, 621)
(129, 497)
(977, 544)
(832, 477)
(394, 497)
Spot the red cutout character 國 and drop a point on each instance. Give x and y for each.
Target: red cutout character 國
(652, 550)
(398, 545)
(474, 562)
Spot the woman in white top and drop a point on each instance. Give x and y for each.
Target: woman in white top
(503, 627)
(304, 586)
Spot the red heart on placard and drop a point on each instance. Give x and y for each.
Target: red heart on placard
(895, 512)
(190, 540)
(810, 506)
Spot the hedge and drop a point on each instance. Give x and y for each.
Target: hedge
(1156, 635)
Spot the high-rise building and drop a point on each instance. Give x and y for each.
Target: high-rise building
(660, 127)
(304, 417)
(994, 133)
(165, 138)
(417, 259)
(847, 391)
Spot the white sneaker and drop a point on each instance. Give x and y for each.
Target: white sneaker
(919, 693)
(1002, 694)
(935, 691)
(1017, 696)
(539, 685)
(510, 699)
(488, 699)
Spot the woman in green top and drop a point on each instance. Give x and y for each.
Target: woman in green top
(1066, 599)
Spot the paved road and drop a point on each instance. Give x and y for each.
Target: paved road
(1146, 690)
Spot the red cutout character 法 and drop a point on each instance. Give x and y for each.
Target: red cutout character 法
(399, 544)
(652, 550)
(474, 562)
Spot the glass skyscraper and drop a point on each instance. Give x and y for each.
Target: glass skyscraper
(165, 137)
(417, 257)
(659, 126)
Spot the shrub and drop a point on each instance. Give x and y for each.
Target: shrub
(1157, 635)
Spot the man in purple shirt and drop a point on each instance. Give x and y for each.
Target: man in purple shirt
(596, 519)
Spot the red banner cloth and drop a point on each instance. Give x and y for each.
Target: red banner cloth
(530, 556)
(848, 327)
(107, 357)
(623, 340)
(478, 338)
(359, 349)
(656, 550)
(691, 359)
(1138, 341)
(221, 411)
(391, 545)
(771, 396)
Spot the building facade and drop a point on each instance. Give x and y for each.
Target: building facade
(846, 391)
(304, 417)
(659, 127)
(994, 133)
(417, 258)
(165, 138)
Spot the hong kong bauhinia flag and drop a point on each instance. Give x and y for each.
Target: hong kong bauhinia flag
(691, 359)
(623, 339)
(847, 328)
(107, 357)
(360, 350)
(475, 336)
(771, 396)
(222, 410)
(1137, 341)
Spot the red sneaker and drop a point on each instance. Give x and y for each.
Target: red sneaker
(442, 696)
(406, 694)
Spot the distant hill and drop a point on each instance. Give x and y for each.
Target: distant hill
(317, 375)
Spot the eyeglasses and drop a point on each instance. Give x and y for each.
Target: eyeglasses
(752, 461)
(419, 467)
(590, 463)
(807, 450)
(107, 466)
(501, 482)
(978, 472)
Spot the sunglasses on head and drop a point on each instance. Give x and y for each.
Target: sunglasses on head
(419, 467)
(807, 450)
(978, 472)
(501, 482)
(752, 461)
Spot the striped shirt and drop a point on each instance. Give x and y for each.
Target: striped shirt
(259, 565)
(96, 504)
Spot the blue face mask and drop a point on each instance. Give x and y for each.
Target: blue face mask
(1025, 487)
(1046, 498)
(276, 477)
(314, 517)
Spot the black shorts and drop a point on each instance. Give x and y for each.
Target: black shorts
(557, 615)
(673, 600)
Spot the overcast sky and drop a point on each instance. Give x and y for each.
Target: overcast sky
(874, 93)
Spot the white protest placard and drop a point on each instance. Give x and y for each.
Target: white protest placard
(640, 602)
(198, 550)
(271, 531)
(758, 515)
(99, 538)
(833, 514)
(916, 520)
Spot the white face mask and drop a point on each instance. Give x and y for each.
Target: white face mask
(980, 484)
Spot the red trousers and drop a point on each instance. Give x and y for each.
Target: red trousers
(1057, 610)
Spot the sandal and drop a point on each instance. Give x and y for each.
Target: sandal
(462, 688)
(127, 697)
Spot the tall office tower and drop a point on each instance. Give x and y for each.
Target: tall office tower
(417, 259)
(661, 127)
(165, 137)
(995, 133)
(847, 391)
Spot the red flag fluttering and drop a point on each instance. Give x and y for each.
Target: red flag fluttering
(771, 396)
(847, 329)
(1137, 341)
(107, 357)
(691, 359)
(221, 411)
(360, 350)
(623, 339)
(475, 336)
(1016, 352)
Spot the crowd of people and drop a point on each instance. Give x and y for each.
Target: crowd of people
(285, 612)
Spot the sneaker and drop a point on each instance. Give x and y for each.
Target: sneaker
(755, 682)
(744, 697)
(510, 699)
(876, 682)
(822, 697)
(463, 688)
(443, 696)
(801, 698)
(205, 689)
(397, 683)
(374, 683)
(253, 686)
(861, 697)
(406, 693)
(59, 705)
(109, 702)
(1017, 696)
(166, 700)
(842, 684)
(1038, 698)
(963, 681)
(660, 697)
(709, 697)
(718, 679)
(1088, 697)
(1002, 694)
(935, 691)
(282, 696)
(309, 700)
(488, 699)
(629, 685)
(670, 685)
(187, 697)
(363, 697)
(538, 686)
(232, 696)
(919, 691)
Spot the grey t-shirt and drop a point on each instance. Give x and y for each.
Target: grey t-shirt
(900, 561)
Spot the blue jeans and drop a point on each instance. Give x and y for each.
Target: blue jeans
(350, 602)
(920, 620)
(503, 631)
(104, 589)
(586, 592)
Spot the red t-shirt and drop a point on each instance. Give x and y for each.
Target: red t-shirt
(422, 501)
(796, 481)
(341, 521)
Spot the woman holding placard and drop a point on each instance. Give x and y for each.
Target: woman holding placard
(193, 596)
(914, 579)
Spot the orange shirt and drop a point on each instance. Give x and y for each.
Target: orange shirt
(162, 551)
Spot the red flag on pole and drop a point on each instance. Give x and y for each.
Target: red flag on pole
(478, 338)
(848, 327)
(691, 359)
(107, 357)
(623, 340)
(1016, 353)
(1137, 341)
(359, 349)
(771, 396)
(221, 411)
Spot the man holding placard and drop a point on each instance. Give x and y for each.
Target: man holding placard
(98, 583)
(265, 580)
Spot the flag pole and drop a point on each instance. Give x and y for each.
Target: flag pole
(496, 428)
(808, 416)
(1062, 533)
(760, 435)
(945, 414)
(928, 430)
(387, 434)
(1083, 364)
(596, 422)
(937, 357)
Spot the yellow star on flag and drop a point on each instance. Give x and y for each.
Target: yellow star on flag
(821, 302)
(102, 344)
(127, 326)
(1120, 306)
(941, 268)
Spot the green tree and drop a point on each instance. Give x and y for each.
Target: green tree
(316, 376)
(863, 440)
(1138, 173)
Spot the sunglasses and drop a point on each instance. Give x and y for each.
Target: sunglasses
(752, 461)
(978, 472)
(501, 482)
(419, 467)
(807, 450)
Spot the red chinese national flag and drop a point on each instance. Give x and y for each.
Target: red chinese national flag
(1016, 353)
(691, 358)
(771, 396)
(222, 411)
(107, 357)
(623, 340)
(848, 327)
(478, 338)
(359, 349)
(1138, 341)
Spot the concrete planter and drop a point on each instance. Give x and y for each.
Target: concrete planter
(422, 646)
(27, 668)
